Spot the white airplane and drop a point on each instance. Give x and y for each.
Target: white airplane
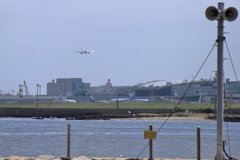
(84, 52)
(123, 99)
(120, 100)
(174, 99)
(131, 96)
(129, 99)
(92, 99)
(66, 100)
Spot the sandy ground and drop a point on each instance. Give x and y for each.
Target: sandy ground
(189, 118)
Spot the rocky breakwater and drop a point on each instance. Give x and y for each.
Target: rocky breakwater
(98, 117)
(227, 118)
(48, 157)
(44, 157)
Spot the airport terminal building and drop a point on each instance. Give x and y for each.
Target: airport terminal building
(206, 86)
(75, 87)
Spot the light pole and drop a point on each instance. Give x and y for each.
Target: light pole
(150, 92)
(229, 14)
(202, 91)
(38, 85)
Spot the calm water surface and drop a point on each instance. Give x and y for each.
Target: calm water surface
(115, 138)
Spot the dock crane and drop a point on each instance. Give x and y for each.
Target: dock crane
(26, 89)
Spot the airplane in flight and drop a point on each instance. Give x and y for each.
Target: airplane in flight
(66, 100)
(84, 52)
(92, 99)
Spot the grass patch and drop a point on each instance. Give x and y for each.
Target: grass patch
(207, 108)
(178, 114)
(148, 114)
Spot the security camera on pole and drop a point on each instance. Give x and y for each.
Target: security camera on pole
(229, 14)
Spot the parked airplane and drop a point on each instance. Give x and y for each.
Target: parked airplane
(66, 100)
(171, 99)
(120, 100)
(129, 99)
(131, 96)
(174, 93)
(92, 99)
(84, 52)
(123, 99)
(199, 99)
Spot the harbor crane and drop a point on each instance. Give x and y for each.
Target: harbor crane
(26, 89)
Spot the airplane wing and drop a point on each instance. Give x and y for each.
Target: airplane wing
(82, 52)
(79, 52)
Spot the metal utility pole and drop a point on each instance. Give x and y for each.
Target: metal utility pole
(219, 154)
(20, 93)
(229, 14)
(38, 85)
(37, 95)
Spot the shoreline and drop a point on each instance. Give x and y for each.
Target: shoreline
(137, 118)
(173, 118)
(48, 157)
(178, 117)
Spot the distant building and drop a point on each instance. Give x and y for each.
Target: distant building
(71, 87)
(208, 88)
(67, 87)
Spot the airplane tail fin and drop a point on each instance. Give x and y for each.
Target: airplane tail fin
(200, 96)
(60, 97)
(199, 99)
(91, 97)
(174, 93)
(198, 92)
(130, 95)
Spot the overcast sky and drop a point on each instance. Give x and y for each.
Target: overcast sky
(134, 41)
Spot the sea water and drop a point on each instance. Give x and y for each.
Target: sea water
(112, 138)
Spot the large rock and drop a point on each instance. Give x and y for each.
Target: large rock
(46, 157)
(18, 158)
(81, 158)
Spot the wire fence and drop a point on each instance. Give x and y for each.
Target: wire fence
(115, 105)
(155, 102)
(117, 141)
(129, 105)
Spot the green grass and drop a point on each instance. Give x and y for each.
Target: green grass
(174, 114)
(148, 114)
(113, 105)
